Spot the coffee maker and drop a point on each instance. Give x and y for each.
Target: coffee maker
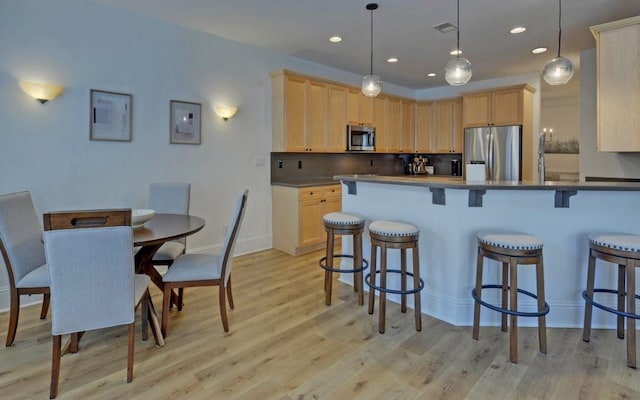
(419, 166)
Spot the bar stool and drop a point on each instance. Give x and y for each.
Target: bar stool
(624, 250)
(394, 235)
(511, 249)
(339, 223)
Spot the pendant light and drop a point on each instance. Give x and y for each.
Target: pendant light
(371, 84)
(558, 71)
(458, 70)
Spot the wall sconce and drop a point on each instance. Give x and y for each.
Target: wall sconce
(225, 112)
(42, 92)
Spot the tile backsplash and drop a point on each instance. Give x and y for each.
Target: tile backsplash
(287, 167)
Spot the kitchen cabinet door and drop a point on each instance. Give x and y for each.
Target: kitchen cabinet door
(379, 122)
(393, 126)
(618, 95)
(408, 127)
(294, 114)
(447, 132)
(337, 120)
(477, 109)
(506, 107)
(316, 124)
(353, 106)
(424, 121)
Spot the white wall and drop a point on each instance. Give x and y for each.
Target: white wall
(81, 45)
(593, 162)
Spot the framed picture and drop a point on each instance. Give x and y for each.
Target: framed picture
(110, 116)
(184, 123)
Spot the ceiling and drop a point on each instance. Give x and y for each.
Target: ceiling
(401, 28)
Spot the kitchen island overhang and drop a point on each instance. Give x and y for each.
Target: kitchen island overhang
(448, 222)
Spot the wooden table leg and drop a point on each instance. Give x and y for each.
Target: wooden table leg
(155, 324)
(144, 265)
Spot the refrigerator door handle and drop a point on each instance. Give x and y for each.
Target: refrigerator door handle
(490, 145)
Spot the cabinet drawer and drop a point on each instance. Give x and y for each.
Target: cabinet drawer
(311, 193)
(332, 192)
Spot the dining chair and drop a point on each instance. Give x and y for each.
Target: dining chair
(93, 284)
(23, 253)
(170, 198)
(200, 269)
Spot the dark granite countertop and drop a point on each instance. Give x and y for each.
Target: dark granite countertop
(306, 182)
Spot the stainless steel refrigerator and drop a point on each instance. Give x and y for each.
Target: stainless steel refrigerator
(499, 148)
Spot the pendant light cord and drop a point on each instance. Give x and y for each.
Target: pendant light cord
(371, 61)
(458, 32)
(559, 25)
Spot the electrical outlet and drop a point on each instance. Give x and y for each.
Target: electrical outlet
(280, 162)
(225, 228)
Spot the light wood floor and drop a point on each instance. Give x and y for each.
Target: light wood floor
(284, 343)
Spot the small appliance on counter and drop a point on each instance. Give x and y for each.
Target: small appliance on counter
(419, 166)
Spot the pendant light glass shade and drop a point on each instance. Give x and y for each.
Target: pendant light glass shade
(371, 84)
(458, 70)
(558, 71)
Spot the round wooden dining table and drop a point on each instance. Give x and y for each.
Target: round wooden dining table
(160, 229)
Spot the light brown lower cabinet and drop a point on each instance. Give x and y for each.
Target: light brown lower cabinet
(297, 216)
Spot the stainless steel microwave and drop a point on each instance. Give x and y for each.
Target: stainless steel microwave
(361, 138)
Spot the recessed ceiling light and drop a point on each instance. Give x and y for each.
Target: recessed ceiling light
(518, 29)
(431, 74)
(455, 52)
(539, 50)
(392, 60)
(335, 39)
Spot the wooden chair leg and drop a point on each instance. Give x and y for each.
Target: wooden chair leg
(383, 284)
(55, 366)
(14, 314)
(45, 305)
(416, 283)
(223, 308)
(631, 308)
(75, 342)
(403, 280)
(588, 308)
(513, 334)
(144, 311)
(358, 263)
(542, 321)
(230, 294)
(505, 295)
(328, 275)
(130, 348)
(180, 298)
(476, 308)
(372, 277)
(166, 299)
(622, 271)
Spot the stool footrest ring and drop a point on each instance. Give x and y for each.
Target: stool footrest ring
(609, 309)
(394, 291)
(510, 312)
(322, 263)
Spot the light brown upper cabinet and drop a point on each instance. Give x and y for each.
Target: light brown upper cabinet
(359, 108)
(337, 119)
(505, 106)
(311, 115)
(618, 99)
(408, 126)
(424, 126)
(497, 107)
(447, 126)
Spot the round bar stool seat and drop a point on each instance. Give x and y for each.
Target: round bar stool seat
(624, 250)
(339, 223)
(394, 235)
(511, 249)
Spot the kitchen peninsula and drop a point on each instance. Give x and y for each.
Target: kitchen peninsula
(450, 212)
